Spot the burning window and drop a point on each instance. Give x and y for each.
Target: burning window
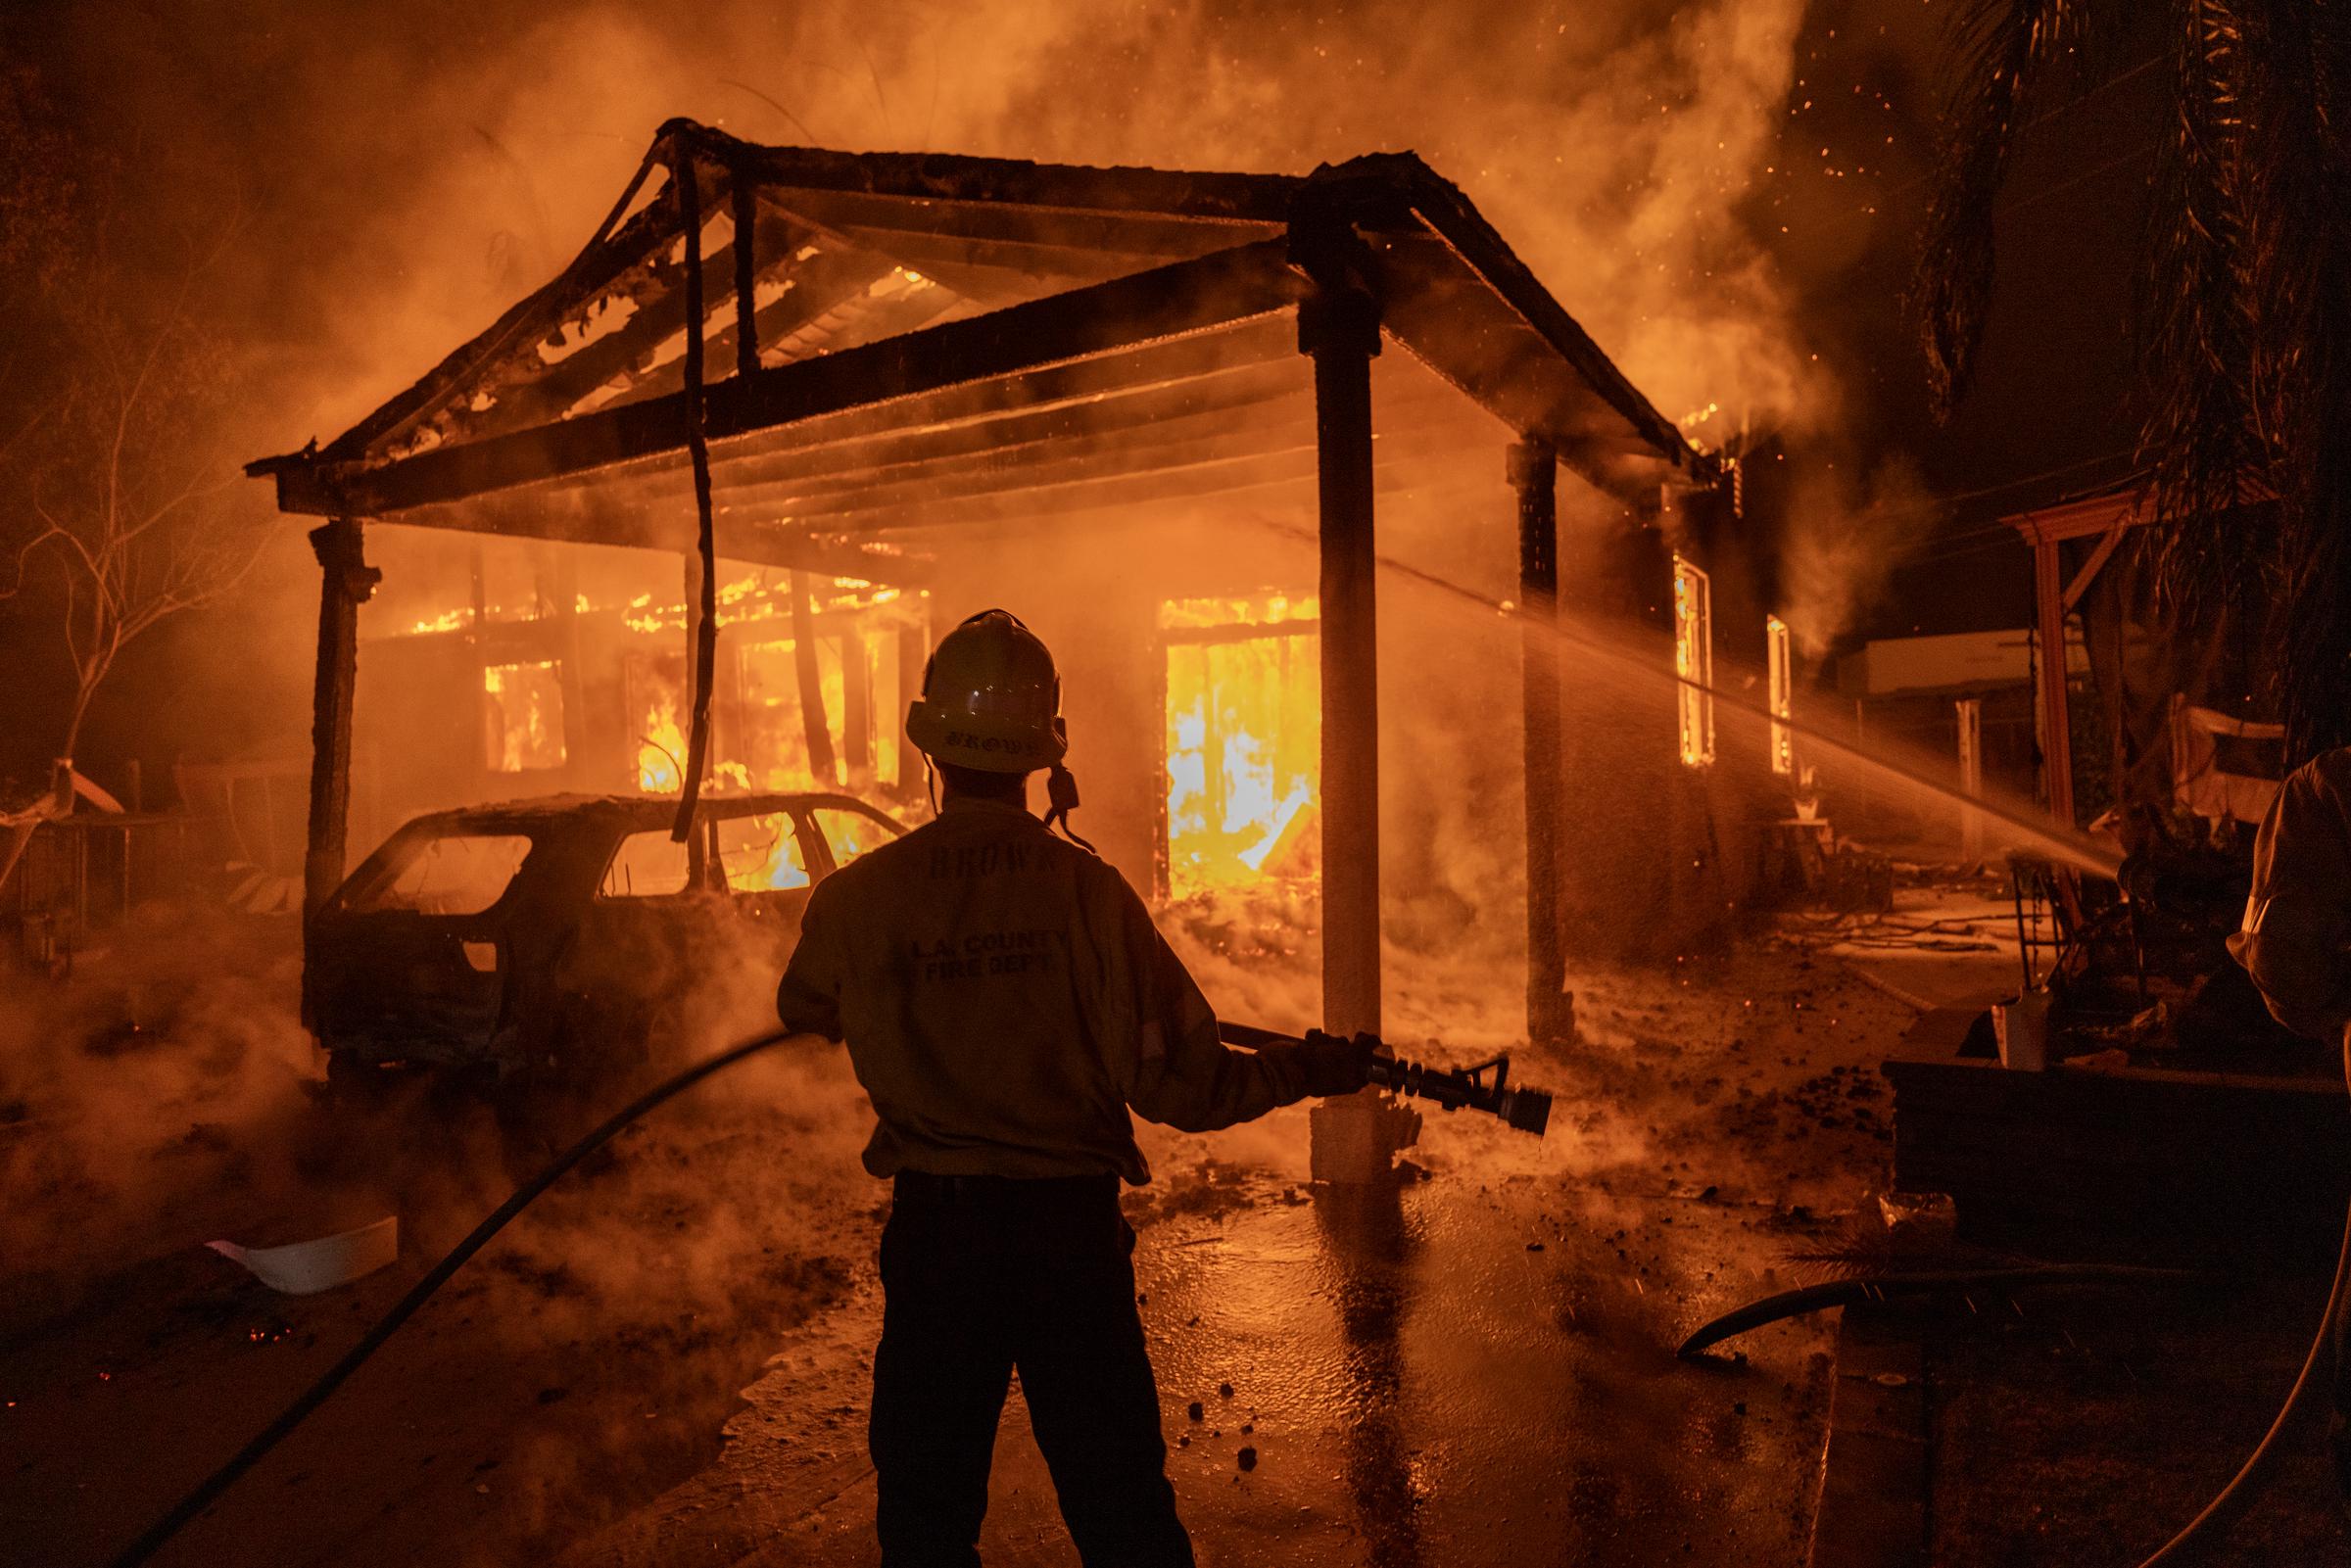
(778, 739)
(522, 716)
(1244, 707)
(511, 581)
(1782, 693)
(655, 689)
(1694, 661)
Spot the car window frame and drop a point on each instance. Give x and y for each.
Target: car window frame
(802, 832)
(698, 866)
(849, 803)
(385, 865)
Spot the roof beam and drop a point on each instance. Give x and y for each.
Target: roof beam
(1197, 468)
(1185, 297)
(597, 516)
(1252, 428)
(870, 319)
(817, 287)
(593, 272)
(1252, 362)
(1464, 231)
(924, 249)
(1156, 404)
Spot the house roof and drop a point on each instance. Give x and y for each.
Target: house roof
(938, 341)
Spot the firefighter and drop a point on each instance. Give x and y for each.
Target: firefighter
(2295, 942)
(1005, 1000)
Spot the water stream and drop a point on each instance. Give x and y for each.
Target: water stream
(2026, 825)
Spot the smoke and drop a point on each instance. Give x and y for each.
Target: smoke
(168, 1096)
(419, 168)
(1843, 536)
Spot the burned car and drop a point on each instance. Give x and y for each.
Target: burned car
(560, 941)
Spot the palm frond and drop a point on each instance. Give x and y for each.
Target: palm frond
(2299, 375)
(2001, 50)
(2196, 330)
(2247, 294)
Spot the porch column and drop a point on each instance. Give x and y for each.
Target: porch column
(346, 581)
(1352, 1140)
(1968, 714)
(1340, 329)
(1534, 475)
(2056, 724)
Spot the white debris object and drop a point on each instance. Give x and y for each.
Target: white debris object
(307, 1268)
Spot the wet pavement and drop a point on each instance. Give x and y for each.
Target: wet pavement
(1475, 1368)
(1464, 1371)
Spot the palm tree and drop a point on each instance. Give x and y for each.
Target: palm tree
(2244, 298)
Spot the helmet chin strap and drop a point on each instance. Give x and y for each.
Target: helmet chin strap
(1061, 796)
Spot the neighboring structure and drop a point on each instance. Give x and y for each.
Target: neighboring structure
(1147, 407)
(2222, 766)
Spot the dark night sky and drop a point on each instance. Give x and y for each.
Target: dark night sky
(319, 111)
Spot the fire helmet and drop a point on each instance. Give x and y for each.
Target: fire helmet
(992, 700)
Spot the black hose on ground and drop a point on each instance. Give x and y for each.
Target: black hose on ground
(2252, 1477)
(1925, 1282)
(209, 1491)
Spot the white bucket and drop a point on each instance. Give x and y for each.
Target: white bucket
(2022, 1030)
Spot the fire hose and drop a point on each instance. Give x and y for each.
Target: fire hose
(1451, 1089)
(1527, 1110)
(2251, 1478)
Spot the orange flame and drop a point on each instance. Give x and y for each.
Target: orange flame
(1244, 737)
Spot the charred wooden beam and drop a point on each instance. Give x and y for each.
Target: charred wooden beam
(1210, 470)
(1280, 508)
(1468, 335)
(346, 583)
(1255, 432)
(748, 249)
(1196, 297)
(661, 316)
(864, 321)
(1534, 475)
(662, 521)
(1473, 242)
(1108, 448)
(1340, 330)
(606, 260)
(927, 248)
(1211, 460)
(1134, 209)
(1236, 393)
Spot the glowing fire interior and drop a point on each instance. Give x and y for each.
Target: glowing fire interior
(1694, 661)
(525, 600)
(762, 853)
(1244, 740)
(760, 740)
(522, 716)
(1781, 666)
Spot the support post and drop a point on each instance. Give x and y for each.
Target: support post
(1970, 715)
(1341, 331)
(347, 581)
(689, 685)
(1354, 1139)
(2056, 724)
(1534, 476)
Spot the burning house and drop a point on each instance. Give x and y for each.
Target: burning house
(1149, 410)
